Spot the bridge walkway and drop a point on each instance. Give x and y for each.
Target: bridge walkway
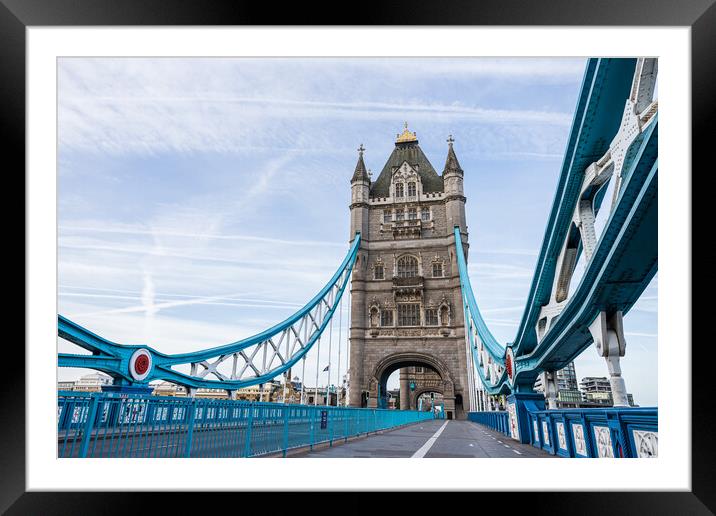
(429, 439)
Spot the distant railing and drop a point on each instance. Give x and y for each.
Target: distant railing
(99, 425)
(631, 432)
(495, 420)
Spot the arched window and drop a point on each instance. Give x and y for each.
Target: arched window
(412, 214)
(387, 215)
(411, 190)
(399, 189)
(399, 215)
(407, 267)
(425, 214)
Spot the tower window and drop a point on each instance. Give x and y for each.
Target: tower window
(399, 190)
(437, 270)
(399, 215)
(411, 190)
(431, 317)
(425, 214)
(386, 318)
(408, 314)
(378, 272)
(412, 214)
(387, 215)
(407, 267)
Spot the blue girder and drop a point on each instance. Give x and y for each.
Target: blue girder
(605, 87)
(624, 260)
(114, 359)
(476, 330)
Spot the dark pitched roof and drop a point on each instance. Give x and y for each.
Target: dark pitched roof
(360, 172)
(413, 154)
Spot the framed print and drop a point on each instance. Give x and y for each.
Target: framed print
(249, 246)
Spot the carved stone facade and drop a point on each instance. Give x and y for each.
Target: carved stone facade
(406, 308)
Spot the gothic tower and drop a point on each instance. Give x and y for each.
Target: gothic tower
(406, 309)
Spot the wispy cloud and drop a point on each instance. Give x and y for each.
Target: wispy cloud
(204, 200)
(162, 105)
(148, 305)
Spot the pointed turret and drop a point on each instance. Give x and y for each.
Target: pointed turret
(360, 173)
(452, 165)
(360, 189)
(455, 200)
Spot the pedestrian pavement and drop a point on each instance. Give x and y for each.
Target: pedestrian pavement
(463, 439)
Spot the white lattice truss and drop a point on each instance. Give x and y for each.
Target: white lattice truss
(639, 112)
(265, 356)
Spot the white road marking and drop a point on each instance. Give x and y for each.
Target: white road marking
(429, 444)
(506, 446)
(499, 441)
(518, 453)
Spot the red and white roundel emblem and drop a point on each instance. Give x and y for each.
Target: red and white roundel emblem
(510, 365)
(140, 364)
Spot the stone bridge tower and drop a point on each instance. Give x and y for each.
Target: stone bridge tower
(406, 310)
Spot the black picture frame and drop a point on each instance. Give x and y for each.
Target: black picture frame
(699, 15)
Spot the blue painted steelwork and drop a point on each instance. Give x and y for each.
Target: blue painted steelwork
(600, 105)
(622, 266)
(297, 334)
(488, 355)
(100, 425)
(497, 420)
(610, 432)
(622, 263)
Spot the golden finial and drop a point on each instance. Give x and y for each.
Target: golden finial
(407, 136)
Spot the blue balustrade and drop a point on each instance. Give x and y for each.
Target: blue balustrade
(625, 432)
(102, 425)
(497, 420)
(608, 432)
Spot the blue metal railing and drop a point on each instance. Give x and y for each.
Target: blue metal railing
(100, 425)
(631, 432)
(497, 420)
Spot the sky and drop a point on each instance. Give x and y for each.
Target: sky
(203, 200)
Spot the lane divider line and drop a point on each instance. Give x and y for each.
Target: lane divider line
(429, 444)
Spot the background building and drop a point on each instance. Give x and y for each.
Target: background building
(568, 394)
(598, 391)
(92, 382)
(65, 386)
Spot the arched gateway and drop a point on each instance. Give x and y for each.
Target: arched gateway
(406, 309)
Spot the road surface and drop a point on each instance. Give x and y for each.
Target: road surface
(431, 439)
